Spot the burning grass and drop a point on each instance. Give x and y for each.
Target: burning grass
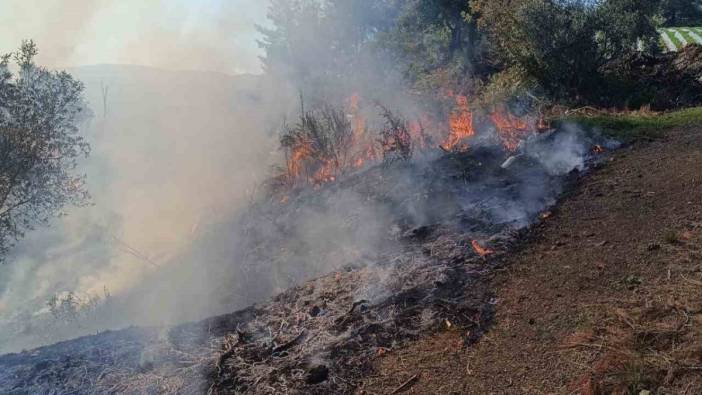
(330, 142)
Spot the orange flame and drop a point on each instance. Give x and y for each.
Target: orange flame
(358, 122)
(365, 148)
(325, 173)
(480, 250)
(296, 161)
(460, 125)
(542, 124)
(511, 129)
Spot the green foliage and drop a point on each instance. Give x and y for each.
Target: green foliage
(633, 127)
(504, 86)
(562, 50)
(563, 44)
(321, 45)
(39, 144)
(437, 42)
(681, 12)
(626, 26)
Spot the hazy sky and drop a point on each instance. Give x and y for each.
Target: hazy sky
(211, 35)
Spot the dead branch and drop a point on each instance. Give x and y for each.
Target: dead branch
(410, 382)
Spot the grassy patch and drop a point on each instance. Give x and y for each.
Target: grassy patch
(637, 126)
(670, 33)
(689, 35)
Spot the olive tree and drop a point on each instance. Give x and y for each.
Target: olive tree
(563, 44)
(40, 144)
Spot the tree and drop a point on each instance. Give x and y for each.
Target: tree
(564, 44)
(323, 46)
(437, 42)
(681, 12)
(40, 146)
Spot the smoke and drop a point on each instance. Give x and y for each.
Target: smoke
(566, 152)
(172, 153)
(179, 229)
(214, 35)
(56, 27)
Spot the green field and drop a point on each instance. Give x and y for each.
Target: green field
(674, 38)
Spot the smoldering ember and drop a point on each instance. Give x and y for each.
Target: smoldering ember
(351, 197)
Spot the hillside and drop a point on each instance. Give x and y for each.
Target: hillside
(412, 197)
(604, 297)
(405, 249)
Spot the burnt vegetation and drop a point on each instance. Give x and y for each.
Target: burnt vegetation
(395, 138)
(318, 147)
(382, 221)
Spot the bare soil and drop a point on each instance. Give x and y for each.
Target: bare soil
(604, 297)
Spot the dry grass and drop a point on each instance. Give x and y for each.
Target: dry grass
(653, 341)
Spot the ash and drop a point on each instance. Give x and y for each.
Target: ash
(391, 250)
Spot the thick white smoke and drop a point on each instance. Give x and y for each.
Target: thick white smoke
(172, 153)
(211, 35)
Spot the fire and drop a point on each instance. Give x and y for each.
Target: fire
(460, 125)
(358, 122)
(357, 147)
(598, 149)
(296, 160)
(316, 166)
(299, 167)
(511, 129)
(420, 131)
(325, 173)
(363, 148)
(542, 124)
(480, 250)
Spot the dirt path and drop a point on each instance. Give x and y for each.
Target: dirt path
(605, 298)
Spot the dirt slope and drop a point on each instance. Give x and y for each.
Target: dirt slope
(606, 297)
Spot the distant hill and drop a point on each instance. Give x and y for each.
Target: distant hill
(150, 83)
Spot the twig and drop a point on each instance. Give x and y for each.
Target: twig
(406, 384)
(691, 281)
(289, 344)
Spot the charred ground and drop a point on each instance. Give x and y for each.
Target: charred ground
(323, 336)
(604, 297)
